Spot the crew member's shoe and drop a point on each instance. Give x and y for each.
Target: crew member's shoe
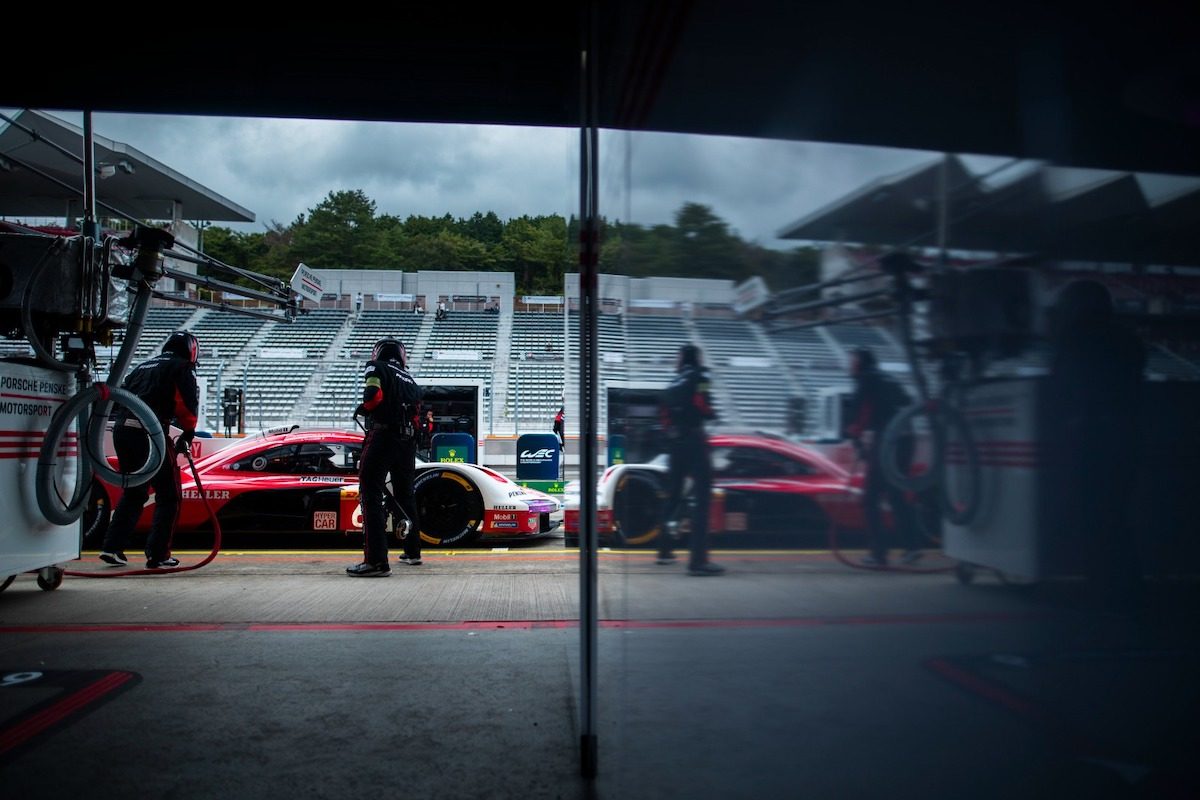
(412, 561)
(706, 569)
(367, 570)
(665, 558)
(873, 561)
(116, 558)
(911, 557)
(160, 563)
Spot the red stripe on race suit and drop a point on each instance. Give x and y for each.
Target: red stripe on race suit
(184, 415)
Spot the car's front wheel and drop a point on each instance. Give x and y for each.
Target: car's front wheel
(450, 508)
(638, 508)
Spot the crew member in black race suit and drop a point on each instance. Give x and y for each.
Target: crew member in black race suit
(392, 404)
(167, 384)
(685, 407)
(878, 398)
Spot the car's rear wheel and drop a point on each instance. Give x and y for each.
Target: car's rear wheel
(450, 508)
(638, 509)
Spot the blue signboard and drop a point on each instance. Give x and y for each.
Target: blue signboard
(454, 448)
(537, 457)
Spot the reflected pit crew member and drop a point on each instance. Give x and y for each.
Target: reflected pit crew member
(686, 406)
(877, 398)
(167, 384)
(391, 402)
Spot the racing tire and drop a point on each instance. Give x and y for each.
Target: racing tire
(4, 584)
(450, 508)
(638, 502)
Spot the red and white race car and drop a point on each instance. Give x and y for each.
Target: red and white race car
(300, 480)
(762, 485)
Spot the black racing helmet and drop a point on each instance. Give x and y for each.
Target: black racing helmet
(389, 348)
(184, 345)
(864, 360)
(689, 356)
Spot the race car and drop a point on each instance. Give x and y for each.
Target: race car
(291, 480)
(762, 486)
(458, 504)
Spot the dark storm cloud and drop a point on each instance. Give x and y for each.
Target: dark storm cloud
(281, 168)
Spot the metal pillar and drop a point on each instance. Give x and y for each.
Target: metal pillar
(589, 250)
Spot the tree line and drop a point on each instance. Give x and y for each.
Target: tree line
(345, 231)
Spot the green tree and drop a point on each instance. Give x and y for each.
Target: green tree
(536, 249)
(341, 231)
(486, 228)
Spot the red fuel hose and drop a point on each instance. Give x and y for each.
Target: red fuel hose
(216, 548)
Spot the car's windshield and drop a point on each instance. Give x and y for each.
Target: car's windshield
(310, 458)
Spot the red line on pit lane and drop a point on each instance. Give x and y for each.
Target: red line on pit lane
(26, 729)
(535, 624)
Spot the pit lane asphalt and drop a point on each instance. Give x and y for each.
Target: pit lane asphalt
(269, 674)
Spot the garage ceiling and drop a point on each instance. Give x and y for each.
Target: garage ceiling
(1113, 87)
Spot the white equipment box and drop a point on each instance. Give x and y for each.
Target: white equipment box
(1004, 534)
(29, 397)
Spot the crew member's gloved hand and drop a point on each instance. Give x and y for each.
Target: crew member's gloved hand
(184, 443)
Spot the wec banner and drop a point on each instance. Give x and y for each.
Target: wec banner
(537, 457)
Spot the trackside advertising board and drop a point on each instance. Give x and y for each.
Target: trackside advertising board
(537, 457)
(453, 448)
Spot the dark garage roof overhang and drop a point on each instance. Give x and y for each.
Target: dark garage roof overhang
(1111, 86)
(39, 180)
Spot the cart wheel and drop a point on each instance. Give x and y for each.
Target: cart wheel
(965, 572)
(4, 583)
(49, 578)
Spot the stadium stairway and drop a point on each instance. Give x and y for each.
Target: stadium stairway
(723, 400)
(235, 370)
(500, 384)
(421, 343)
(794, 386)
(309, 395)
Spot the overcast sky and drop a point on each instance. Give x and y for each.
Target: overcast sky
(280, 168)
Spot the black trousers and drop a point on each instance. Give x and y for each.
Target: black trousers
(904, 517)
(387, 452)
(689, 458)
(133, 447)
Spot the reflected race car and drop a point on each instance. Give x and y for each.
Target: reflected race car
(292, 480)
(762, 486)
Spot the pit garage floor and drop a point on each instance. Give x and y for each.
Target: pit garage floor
(274, 675)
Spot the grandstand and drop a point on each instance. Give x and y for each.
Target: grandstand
(526, 360)
(536, 369)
